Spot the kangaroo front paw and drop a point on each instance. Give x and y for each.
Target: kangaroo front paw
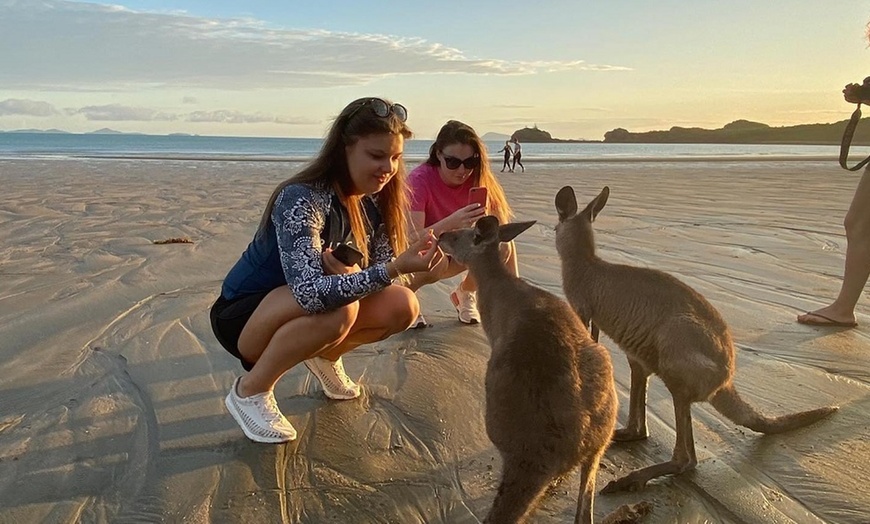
(629, 435)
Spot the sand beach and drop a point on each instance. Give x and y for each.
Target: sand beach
(112, 385)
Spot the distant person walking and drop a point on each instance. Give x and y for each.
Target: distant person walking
(518, 155)
(508, 152)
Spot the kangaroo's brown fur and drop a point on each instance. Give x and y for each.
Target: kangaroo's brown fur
(550, 398)
(665, 327)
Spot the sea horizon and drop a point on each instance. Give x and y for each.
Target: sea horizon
(275, 149)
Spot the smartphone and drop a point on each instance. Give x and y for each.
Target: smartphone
(347, 255)
(478, 195)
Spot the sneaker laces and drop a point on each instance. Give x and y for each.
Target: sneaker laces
(338, 368)
(270, 410)
(467, 299)
(471, 300)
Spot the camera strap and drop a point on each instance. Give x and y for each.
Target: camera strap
(847, 141)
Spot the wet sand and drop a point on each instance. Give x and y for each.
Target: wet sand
(112, 385)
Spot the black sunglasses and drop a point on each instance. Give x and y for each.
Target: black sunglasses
(453, 163)
(382, 109)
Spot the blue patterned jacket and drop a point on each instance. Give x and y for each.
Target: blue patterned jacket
(288, 252)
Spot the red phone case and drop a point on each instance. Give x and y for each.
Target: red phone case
(478, 195)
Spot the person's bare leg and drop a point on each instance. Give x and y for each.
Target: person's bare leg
(280, 334)
(509, 251)
(380, 315)
(509, 256)
(857, 266)
(446, 268)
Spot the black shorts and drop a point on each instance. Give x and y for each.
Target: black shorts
(228, 318)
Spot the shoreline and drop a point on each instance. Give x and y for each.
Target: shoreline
(411, 159)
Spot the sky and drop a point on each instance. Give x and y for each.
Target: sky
(574, 68)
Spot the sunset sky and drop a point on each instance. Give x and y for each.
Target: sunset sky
(575, 68)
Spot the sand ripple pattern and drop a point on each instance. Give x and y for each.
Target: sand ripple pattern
(112, 386)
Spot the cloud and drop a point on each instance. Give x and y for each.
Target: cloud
(189, 100)
(236, 117)
(120, 113)
(61, 45)
(12, 106)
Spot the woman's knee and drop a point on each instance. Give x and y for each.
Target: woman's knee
(424, 278)
(445, 269)
(857, 225)
(336, 324)
(507, 251)
(398, 309)
(506, 248)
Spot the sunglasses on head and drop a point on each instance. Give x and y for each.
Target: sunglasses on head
(382, 108)
(453, 163)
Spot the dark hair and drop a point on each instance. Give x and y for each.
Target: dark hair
(329, 168)
(456, 132)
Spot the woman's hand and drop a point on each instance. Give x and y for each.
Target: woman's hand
(422, 255)
(333, 266)
(464, 217)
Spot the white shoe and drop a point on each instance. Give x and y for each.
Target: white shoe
(259, 416)
(419, 323)
(465, 303)
(336, 384)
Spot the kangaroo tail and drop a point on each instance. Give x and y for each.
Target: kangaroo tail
(729, 403)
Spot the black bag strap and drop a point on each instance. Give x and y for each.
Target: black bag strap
(847, 141)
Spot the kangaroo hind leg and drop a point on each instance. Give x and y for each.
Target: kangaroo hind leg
(683, 458)
(586, 496)
(636, 427)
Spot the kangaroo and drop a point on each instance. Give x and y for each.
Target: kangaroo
(550, 398)
(664, 327)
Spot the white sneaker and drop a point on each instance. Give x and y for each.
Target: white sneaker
(259, 416)
(465, 303)
(336, 384)
(419, 323)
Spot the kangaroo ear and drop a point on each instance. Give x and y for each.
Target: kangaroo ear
(486, 229)
(508, 232)
(597, 204)
(566, 203)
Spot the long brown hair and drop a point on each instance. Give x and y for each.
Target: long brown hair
(329, 168)
(456, 132)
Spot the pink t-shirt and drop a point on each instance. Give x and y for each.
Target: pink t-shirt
(430, 195)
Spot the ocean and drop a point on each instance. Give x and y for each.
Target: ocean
(48, 145)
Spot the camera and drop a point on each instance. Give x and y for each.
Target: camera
(858, 93)
(854, 94)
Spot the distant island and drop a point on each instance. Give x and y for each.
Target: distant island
(44, 131)
(737, 132)
(103, 131)
(746, 132)
(534, 135)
